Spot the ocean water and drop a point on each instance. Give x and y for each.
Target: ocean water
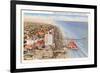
(79, 32)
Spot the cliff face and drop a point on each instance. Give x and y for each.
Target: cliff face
(58, 38)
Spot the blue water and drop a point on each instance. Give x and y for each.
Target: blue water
(76, 30)
(82, 50)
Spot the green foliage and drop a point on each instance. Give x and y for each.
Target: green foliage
(33, 28)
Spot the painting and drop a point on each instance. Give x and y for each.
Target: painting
(52, 36)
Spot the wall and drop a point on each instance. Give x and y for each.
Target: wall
(5, 36)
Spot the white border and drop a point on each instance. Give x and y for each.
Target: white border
(57, 62)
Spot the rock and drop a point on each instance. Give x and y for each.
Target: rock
(38, 54)
(61, 55)
(43, 53)
(47, 53)
(28, 57)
